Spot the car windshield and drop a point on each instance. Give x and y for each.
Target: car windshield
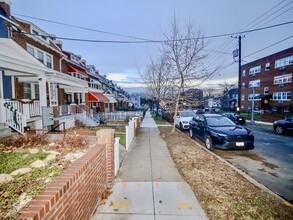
(219, 122)
(187, 114)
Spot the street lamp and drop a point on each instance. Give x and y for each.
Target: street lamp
(252, 107)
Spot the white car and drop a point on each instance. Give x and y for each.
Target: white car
(182, 119)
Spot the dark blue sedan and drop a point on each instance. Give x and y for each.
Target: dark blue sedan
(217, 131)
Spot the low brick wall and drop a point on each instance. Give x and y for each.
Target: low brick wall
(76, 193)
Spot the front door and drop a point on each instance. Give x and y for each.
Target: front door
(7, 86)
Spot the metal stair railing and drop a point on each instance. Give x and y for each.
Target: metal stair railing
(87, 114)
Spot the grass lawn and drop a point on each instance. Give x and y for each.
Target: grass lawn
(10, 161)
(122, 138)
(159, 120)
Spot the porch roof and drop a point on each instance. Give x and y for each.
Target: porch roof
(72, 69)
(111, 99)
(97, 97)
(16, 59)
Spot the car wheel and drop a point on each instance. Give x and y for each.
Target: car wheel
(208, 143)
(190, 133)
(279, 129)
(181, 127)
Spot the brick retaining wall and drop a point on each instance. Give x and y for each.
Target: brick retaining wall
(76, 193)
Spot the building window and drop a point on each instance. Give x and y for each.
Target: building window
(267, 67)
(250, 96)
(41, 56)
(31, 50)
(27, 91)
(243, 85)
(283, 79)
(242, 106)
(37, 91)
(254, 83)
(284, 62)
(243, 72)
(282, 96)
(242, 97)
(255, 70)
(49, 61)
(40, 35)
(266, 90)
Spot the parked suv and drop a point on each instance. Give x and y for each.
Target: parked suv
(281, 126)
(183, 118)
(217, 131)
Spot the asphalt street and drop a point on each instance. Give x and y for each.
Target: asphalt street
(276, 170)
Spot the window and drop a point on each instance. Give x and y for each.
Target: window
(282, 96)
(242, 106)
(41, 56)
(242, 97)
(243, 72)
(243, 85)
(39, 34)
(284, 62)
(255, 70)
(49, 61)
(254, 83)
(250, 96)
(31, 50)
(266, 90)
(37, 93)
(267, 67)
(27, 91)
(283, 79)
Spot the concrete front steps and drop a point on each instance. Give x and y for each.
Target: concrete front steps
(5, 131)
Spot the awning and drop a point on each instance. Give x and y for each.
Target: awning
(72, 69)
(264, 96)
(97, 97)
(111, 99)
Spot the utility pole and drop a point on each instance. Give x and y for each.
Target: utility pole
(235, 54)
(239, 74)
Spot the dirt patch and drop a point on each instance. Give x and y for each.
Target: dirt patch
(222, 192)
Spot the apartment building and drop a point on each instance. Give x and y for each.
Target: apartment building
(268, 81)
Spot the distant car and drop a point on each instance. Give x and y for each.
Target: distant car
(282, 126)
(237, 119)
(199, 111)
(217, 131)
(183, 118)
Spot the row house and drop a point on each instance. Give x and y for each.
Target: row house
(268, 81)
(38, 78)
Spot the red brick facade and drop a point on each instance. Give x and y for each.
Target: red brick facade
(267, 75)
(77, 191)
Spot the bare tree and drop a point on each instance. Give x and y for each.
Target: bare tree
(226, 87)
(157, 79)
(184, 50)
(209, 93)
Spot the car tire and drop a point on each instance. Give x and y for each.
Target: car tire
(208, 143)
(191, 133)
(279, 129)
(181, 127)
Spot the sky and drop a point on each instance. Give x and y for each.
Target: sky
(149, 19)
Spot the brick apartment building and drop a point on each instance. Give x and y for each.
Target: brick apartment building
(271, 77)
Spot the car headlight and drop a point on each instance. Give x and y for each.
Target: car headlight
(215, 134)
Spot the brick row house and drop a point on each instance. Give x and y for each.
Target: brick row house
(38, 77)
(271, 79)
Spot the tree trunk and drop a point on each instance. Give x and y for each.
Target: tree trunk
(176, 110)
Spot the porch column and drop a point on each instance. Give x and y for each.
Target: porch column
(72, 97)
(83, 97)
(42, 91)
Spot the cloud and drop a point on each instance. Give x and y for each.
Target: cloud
(117, 77)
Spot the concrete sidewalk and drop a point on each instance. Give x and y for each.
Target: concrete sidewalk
(149, 186)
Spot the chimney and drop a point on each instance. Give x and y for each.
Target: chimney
(59, 43)
(5, 5)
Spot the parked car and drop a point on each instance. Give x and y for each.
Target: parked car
(282, 126)
(237, 119)
(217, 131)
(183, 118)
(199, 111)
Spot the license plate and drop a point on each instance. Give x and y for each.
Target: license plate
(239, 144)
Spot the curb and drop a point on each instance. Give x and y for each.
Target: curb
(246, 176)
